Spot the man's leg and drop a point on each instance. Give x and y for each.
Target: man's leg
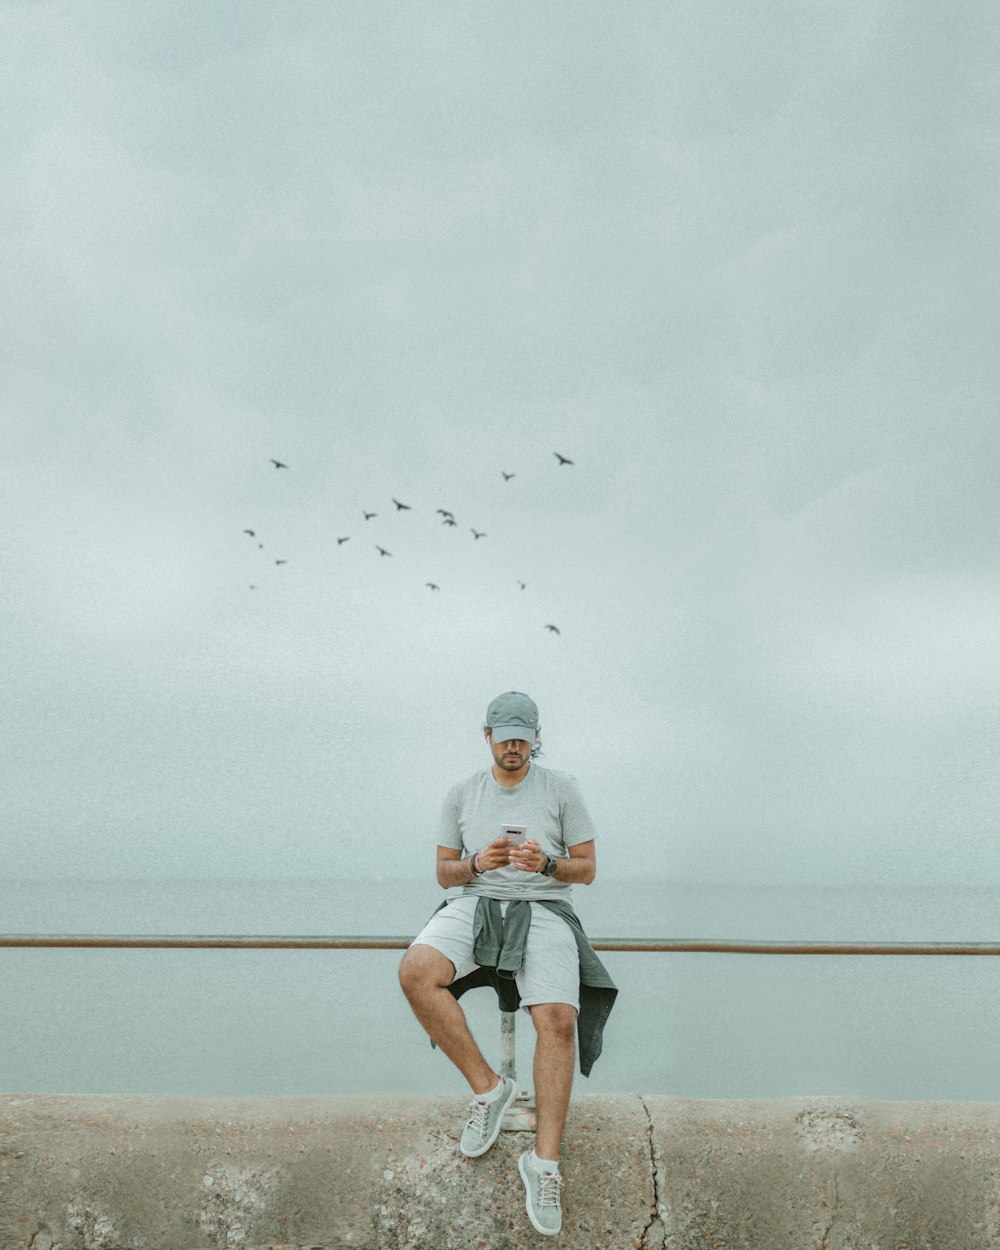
(555, 1060)
(425, 975)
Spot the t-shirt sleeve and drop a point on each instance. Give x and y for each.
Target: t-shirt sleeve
(577, 824)
(449, 833)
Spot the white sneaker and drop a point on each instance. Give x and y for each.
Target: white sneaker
(483, 1127)
(541, 1200)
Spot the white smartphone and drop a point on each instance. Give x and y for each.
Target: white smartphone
(515, 833)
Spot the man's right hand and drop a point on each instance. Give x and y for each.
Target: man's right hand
(495, 855)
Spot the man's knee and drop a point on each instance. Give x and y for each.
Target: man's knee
(556, 1020)
(423, 968)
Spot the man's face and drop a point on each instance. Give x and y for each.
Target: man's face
(512, 755)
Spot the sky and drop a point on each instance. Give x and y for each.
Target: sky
(737, 262)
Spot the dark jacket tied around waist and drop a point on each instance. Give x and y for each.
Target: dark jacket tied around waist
(499, 951)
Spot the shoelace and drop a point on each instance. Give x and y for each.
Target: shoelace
(548, 1189)
(477, 1119)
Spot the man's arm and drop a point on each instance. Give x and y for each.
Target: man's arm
(580, 868)
(452, 869)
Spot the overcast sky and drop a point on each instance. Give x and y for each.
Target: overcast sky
(737, 261)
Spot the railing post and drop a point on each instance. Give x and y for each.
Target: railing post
(520, 1115)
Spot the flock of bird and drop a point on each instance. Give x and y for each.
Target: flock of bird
(448, 519)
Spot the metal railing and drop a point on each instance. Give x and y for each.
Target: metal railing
(521, 1113)
(714, 946)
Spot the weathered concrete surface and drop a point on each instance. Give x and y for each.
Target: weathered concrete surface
(159, 1173)
(826, 1174)
(384, 1173)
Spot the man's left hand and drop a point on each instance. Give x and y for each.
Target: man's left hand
(528, 857)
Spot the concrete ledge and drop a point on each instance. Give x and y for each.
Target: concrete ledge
(384, 1173)
(827, 1174)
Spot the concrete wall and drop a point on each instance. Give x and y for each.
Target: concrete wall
(384, 1173)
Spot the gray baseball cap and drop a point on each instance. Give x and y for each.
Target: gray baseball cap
(512, 715)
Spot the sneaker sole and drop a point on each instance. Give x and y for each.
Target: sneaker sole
(505, 1103)
(546, 1232)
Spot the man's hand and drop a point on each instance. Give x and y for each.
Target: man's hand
(528, 857)
(495, 855)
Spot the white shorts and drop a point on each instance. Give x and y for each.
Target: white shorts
(550, 972)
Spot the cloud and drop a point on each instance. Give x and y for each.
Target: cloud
(913, 648)
(733, 262)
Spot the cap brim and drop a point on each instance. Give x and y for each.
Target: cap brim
(507, 733)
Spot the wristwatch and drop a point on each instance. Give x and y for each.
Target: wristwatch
(550, 868)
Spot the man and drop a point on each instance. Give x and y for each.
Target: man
(511, 921)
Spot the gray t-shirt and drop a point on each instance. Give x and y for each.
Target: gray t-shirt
(548, 803)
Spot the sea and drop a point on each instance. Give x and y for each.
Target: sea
(302, 1022)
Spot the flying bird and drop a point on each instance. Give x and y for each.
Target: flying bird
(506, 476)
(401, 507)
(343, 540)
(382, 551)
(368, 515)
(278, 465)
(250, 532)
(522, 584)
(445, 512)
(561, 459)
(476, 534)
(449, 520)
(281, 562)
(553, 628)
(432, 586)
